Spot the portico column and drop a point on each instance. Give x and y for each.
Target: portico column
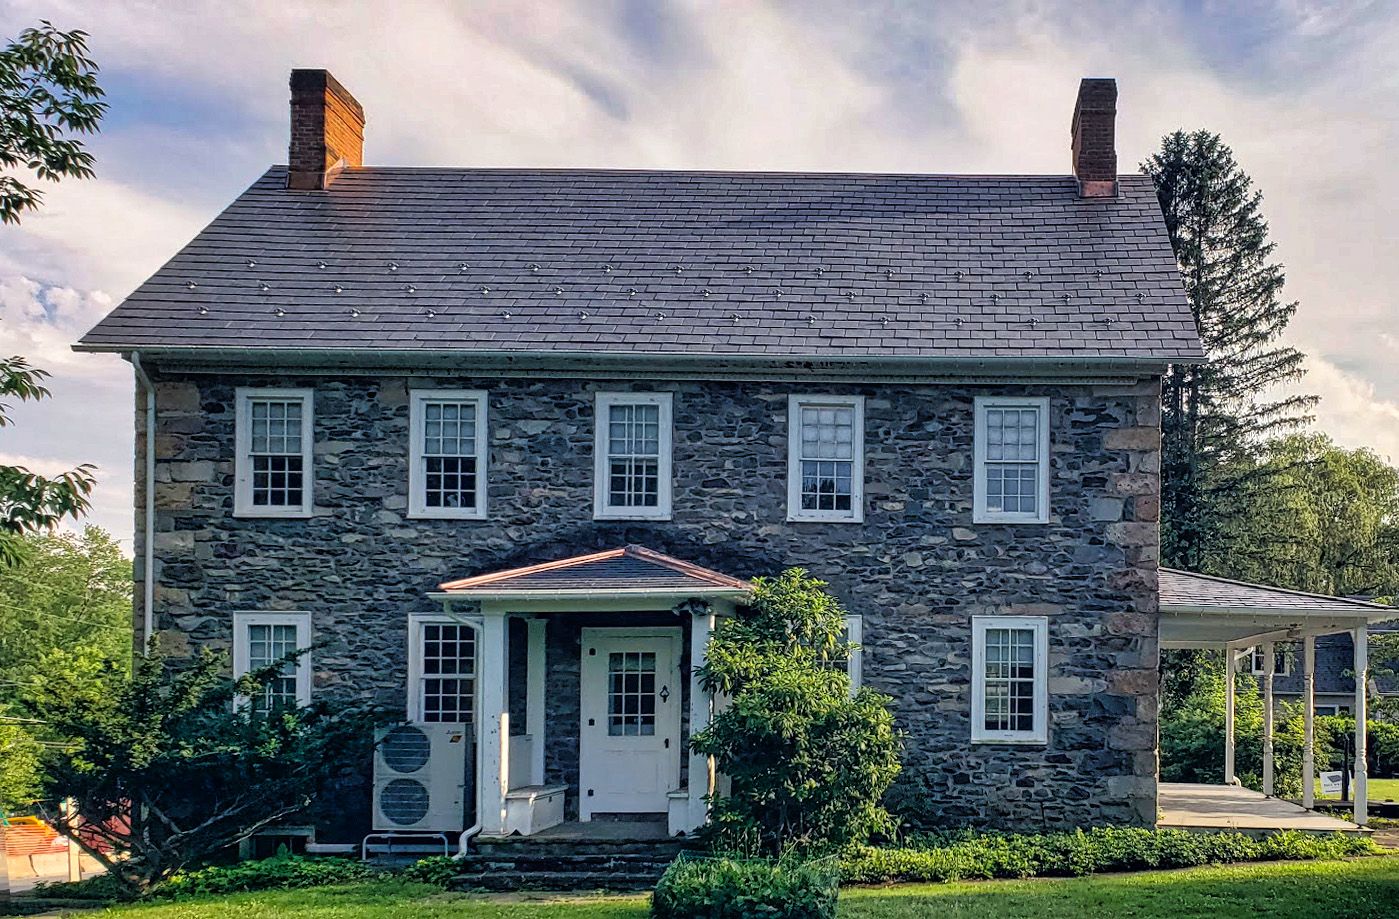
(495, 721)
(1231, 665)
(1308, 726)
(1269, 663)
(1361, 638)
(535, 722)
(701, 767)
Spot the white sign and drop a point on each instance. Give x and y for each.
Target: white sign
(1331, 783)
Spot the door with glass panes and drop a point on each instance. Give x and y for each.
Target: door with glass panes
(629, 741)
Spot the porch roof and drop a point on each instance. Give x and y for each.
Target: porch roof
(629, 570)
(1199, 610)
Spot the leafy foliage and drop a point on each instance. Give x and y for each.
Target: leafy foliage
(283, 872)
(728, 888)
(30, 502)
(975, 856)
(48, 91)
(166, 771)
(808, 761)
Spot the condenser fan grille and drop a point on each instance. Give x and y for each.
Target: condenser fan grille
(405, 749)
(403, 801)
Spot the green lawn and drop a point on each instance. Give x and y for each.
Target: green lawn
(1360, 889)
(1375, 790)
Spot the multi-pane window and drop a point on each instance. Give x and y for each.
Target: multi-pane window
(446, 671)
(448, 454)
(261, 640)
(1012, 462)
(1282, 660)
(1010, 683)
(274, 452)
(631, 694)
(633, 443)
(826, 458)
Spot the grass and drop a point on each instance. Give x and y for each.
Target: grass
(1365, 888)
(1375, 790)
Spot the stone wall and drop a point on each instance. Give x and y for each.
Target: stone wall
(917, 569)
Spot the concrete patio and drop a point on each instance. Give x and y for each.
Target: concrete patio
(1230, 807)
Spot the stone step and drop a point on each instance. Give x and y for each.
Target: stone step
(530, 845)
(556, 880)
(553, 861)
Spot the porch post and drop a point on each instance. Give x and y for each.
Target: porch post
(534, 698)
(495, 721)
(1269, 663)
(1308, 716)
(1361, 638)
(701, 767)
(1231, 666)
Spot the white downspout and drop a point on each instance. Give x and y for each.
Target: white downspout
(148, 538)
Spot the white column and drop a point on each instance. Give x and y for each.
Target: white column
(1269, 663)
(1361, 638)
(701, 709)
(1308, 726)
(494, 749)
(1231, 666)
(535, 699)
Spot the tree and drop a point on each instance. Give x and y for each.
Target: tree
(30, 502)
(166, 771)
(808, 761)
(48, 91)
(1214, 414)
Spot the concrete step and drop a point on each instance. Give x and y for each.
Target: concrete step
(517, 845)
(556, 880)
(553, 861)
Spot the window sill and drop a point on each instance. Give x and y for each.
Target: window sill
(793, 518)
(446, 515)
(1009, 520)
(273, 513)
(636, 518)
(1011, 741)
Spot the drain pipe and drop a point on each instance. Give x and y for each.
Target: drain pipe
(464, 842)
(148, 538)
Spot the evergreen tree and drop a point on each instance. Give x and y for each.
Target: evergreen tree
(1215, 414)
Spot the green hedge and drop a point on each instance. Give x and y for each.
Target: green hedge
(282, 872)
(730, 888)
(968, 856)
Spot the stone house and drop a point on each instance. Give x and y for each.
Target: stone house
(503, 443)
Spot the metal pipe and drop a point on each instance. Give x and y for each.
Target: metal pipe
(148, 538)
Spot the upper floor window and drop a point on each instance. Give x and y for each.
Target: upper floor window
(825, 458)
(273, 465)
(261, 640)
(447, 472)
(1282, 661)
(1011, 475)
(632, 475)
(1010, 679)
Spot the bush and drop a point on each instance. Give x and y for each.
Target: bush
(437, 870)
(728, 888)
(284, 872)
(977, 856)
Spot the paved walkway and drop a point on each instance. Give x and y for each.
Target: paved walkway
(1229, 807)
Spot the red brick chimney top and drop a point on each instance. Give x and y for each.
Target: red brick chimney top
(327, 130)
(1094, 138)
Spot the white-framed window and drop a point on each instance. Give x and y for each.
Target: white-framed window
(1010, 679)
(1330, 709)
(1282, 660)
(854, 666)
(447, 454)
(442, 669)
(262, 639)
(273, 432)
(632, 450)
(1010, 479)
(826, 458)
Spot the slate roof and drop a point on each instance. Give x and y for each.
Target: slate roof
(1188, 591)
(763, 265)
(630, 568)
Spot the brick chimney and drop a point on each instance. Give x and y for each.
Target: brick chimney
(1094, 141)
(327, 130)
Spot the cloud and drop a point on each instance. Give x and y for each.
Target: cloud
(1351, 412)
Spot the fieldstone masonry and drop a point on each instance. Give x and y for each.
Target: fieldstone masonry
(917, 569)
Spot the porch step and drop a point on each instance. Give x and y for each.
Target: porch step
(545, 863)
(557, 880)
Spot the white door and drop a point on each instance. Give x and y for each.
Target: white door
(629, 743)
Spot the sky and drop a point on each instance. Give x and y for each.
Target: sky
(1304, 91)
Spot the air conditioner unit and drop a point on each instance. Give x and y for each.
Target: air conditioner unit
(423, 778)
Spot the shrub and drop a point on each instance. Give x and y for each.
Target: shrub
(728, 888)
(437, 870)
(971, 856)
(808, 762)
(284, 872)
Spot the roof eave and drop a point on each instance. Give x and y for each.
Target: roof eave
(659, 593)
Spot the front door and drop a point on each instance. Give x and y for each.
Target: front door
(629, 745)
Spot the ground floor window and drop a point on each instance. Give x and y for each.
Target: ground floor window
(261, 640)
(1010, 697)
(442, 679)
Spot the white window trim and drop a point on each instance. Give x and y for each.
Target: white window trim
(416, 621)
(664, 472)
(417, 481)
(854, 664)
(1040, 733)
(243, 470)
(795, 512)
(1278, 652)
(980, 513)
(242, 653)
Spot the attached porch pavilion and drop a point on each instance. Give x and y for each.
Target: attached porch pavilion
(1199, 611)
